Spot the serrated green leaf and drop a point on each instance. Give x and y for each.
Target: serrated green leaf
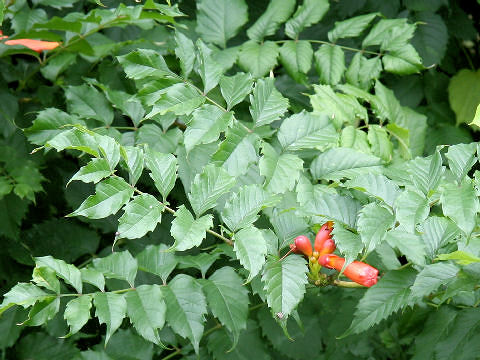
(463, 94)
(207, 187)
(403, 61)
(307, 14)
(110, 195)
(202, 262)
(74, 139)
(431, 37)
(94, 277)
(42, 312)
(461, 158)
(134, 158)
(296, 57)
(258, 59)
(94, 171)
(185, 51)
(335, 164)
(307, 131)
(285, 284)
(23, 294)
(243, 207)
(163, 169)
(208, 69)
(459, 203)
(219, 20)
(389, 295)
(109, 149)
(235, 88)
(146, 310)
(382, 31)
(362, 71)
(373, 223)
(287, 225)
(46, 277)
(330, 64)
(380, 143)
(141, 216)
(461, 257)
(228, 299)
(186, 308)
(206, 125)
(437, 232)
(187, 231)
(281, 171)
(181, 99)
(87, 102)
(411, 209)
(348, 243)
(157, 260)
(48, 124)
(77, 313)
(143, 63)
(277, 12)
(351, 27)
(376, 185)
(237, 151)
(431, 277)
(67, 272)
(410, 245)
(250, 248)
(110, 309)
(120, 265)
(351, 137)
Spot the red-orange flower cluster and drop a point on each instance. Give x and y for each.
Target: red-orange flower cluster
(35, 45)
(357, 271)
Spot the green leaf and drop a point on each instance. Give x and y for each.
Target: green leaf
(277, 12)
(134, 158)
(241, 210)
(141, 215)
(207, 187)
(228, 299)
(57, 4)
(476, 119)
(464, 94)
(94, 277)
(77, 313)
(362, 71)
(163, 169)
(351, 27)
(42, 312)
(258, 59)
(410, 245)
(403, 61)
(281, 171)
(143, 63)
(381, 33)
(187, 231)
(219, 20)
(348, 243)
(185, 51)
(181, 99)
(380, 143)
(186, 308)
(436, 327)
(206, 125)
(109, 149)
(157, 260)
(389, 295)
(373, 223)
(67, 272)
(431, 37)
(208, 69)
(250, 248)
(461, 158)
(437, 232)
(307, 131)
(110, 309)
(110, 195)
(74, 139)
(461, 257)
(296, 58)
(87, 102)
(459, 203)
(235, 88)
(330, 64)
(307, 14)
(411, 209)
(47, 278)
(26, 18)
(338, 163)
(120, 265)
(268, 104)
(431, 277)
(285, 284)
(57, 65)
(376, 185)
(23, 294)
(94, 171)
(202, 262)
(146, 310)
(130, 105)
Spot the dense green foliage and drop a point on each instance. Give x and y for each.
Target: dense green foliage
(157, 164)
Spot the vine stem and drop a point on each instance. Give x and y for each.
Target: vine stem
(171, 355)
(332, 44)
(171, 211)
(347, 284)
